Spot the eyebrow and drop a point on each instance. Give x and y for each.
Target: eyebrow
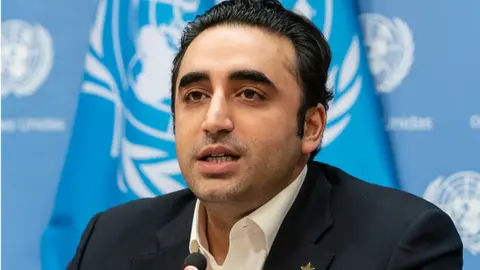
(191, 78)
(238, 75)
(251, 75)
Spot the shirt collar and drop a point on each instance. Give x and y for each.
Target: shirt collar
(268, 217)
(196, 227)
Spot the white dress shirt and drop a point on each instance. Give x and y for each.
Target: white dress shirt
(251, 237)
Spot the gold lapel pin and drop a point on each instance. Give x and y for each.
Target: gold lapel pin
(309, 266)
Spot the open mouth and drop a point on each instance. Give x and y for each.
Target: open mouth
(219, 158)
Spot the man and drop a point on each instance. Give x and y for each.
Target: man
(249, 104)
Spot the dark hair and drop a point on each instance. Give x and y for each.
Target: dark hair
(312, 50)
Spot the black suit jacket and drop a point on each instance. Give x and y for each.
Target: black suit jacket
(336, 222)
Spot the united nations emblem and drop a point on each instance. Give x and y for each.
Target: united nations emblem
(139, 87)
(458, 195)
(390, 49)
(344, 79)
(27, 57)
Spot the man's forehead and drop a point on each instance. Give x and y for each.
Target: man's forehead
(226, 49)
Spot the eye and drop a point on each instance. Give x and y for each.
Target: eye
(250, 94)
(193, 96)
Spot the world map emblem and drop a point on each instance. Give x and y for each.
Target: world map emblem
(390, 49)
(344, 79)
(27, 57)
(458, 195)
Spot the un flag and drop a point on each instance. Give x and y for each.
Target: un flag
(122, 146)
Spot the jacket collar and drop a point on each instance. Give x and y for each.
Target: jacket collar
(298, 240)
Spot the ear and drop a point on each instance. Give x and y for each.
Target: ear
(314, 126)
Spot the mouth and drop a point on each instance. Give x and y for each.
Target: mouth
(219, 158)
(218, 154)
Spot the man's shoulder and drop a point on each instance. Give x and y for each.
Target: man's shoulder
(388, 223)
(160, 209)
(375, 205)
(350, 187)
(130, 228)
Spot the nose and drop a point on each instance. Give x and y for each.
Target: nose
(218, 119)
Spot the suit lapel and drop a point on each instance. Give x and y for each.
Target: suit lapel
(297, 242)
(173, 242)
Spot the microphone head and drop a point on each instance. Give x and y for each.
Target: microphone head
(195, 261)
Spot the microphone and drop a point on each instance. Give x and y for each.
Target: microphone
(195, 261)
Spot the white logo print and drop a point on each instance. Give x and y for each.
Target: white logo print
(27, 57)
(344, 80)
(391, 49)
(156, 57)
(145, 170)
(459, 196)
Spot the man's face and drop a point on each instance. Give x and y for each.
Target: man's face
(236, 110)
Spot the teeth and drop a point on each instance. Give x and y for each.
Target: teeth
(219, 159)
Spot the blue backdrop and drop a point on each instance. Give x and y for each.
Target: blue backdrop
(86, 122)
(425, 58)
(43, 50)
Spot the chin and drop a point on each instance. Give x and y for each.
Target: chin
(218, 193)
